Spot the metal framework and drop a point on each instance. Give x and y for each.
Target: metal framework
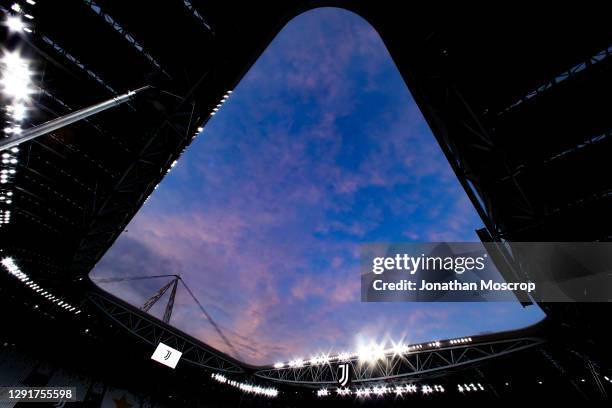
(60, 122)
(134, 186)
(60, 50)
(535, 172)
(169, 306)
(157, 295)
(128, 36)
(413, 364)
(563, 76)
(152, 332)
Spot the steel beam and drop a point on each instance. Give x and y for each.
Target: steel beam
(413, 364)
(68, 119)
(152, 332)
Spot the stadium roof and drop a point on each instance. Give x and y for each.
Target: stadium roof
(518, 106)
(319, 150)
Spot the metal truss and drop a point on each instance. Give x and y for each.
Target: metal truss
(152, 332)
(562, 77)
(189, 5)
(467, 144)
(111, 212)
(126, 35)
(413, 364)
(78, 63)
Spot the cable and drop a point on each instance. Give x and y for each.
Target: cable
(208, 316)
(210, 319)
(130, 278)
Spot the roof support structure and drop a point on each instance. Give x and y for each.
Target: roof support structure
(414, 364)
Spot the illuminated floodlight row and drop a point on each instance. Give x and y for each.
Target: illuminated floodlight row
(367, 354)
(16, 86)
(9, 159)
(462, 340)
(382, 390)
(8, 165)
(248, 388)
(5, 216)
(19, 21)
(221, 102)
(199, 129)
(471, 387)
(15, 22)
(14, 270)
(16, 74)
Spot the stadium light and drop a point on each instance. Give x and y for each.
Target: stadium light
(15, 24)
(248, 388)
(13, 269)
(462, 340)
(16, 77)
(17, 111)
(297, 363)
(319, 360)
(470, 387)
(379, 391)
(343, 391)
(399, 349)
(383, 390)
(344, 356)
(371, 353)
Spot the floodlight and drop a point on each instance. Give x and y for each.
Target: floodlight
(16, 76)
(18, 111)
(399, 349)
(14, 24)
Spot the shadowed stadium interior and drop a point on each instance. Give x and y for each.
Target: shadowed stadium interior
(519, 106)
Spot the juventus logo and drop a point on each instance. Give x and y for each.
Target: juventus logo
(344, 374)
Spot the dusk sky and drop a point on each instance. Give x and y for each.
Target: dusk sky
(319, 149)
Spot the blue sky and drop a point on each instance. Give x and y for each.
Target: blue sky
(319, 149)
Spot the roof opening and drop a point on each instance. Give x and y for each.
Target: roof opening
(319, 149)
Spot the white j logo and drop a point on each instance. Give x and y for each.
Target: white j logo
(345, 374)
